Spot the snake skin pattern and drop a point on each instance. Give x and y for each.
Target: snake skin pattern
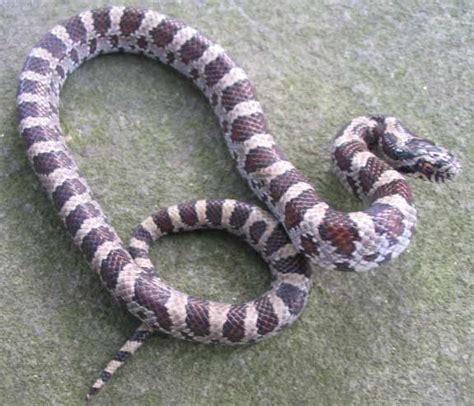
(331, 239)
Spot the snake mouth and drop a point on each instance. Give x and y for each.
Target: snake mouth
(439, 176)
(450, 172)
(442, 176)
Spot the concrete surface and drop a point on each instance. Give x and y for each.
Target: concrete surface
(145, 138)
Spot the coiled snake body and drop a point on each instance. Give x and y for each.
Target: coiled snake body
(301, 225)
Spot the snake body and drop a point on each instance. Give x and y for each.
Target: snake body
(302, 224)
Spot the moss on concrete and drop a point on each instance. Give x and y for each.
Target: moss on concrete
(145, 138)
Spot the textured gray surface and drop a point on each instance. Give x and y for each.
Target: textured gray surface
(145, 138)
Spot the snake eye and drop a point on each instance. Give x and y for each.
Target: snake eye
(427, 169)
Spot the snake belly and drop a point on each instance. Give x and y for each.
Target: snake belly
(330, 238)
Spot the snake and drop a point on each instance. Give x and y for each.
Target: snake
(371, 154)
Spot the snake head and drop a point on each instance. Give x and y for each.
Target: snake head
(414, 155)
(429, 161)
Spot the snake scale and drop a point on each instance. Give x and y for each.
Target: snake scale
(369, 155)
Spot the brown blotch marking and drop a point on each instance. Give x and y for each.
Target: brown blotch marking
(188, 214)
(340, 231)
(197, 316)
(105, 376)
(142, 234)
(369, 174)
(293, 264)
(68, 189)
(121, 356)
(94, 239)
(60, 71)
(293, 297)
(136, 252)
(37, 65)
(214, 212)
(93, 391)
(277, 239)
(237, 93)
(131, 20)
(140, 335)
(93, 46)
(297, 207)
(53, 45)
(154, 298)
(240, 215)
(215, 70)
(280, 184)
(234, 327)
(397, 186)
(163, 221)
(193, 48)
(74, 55)
(48, 162)
(33, 135)
(259, 158)
(267, 320)
(76, 30)
(102, 21)
(245, 126)
(164, 32)
(111, 267)
(77, 216)
(31, 109)
(256, 230)
(33, 87)
(345, 153)
(142, 42)
(388, 221)
(310, 247)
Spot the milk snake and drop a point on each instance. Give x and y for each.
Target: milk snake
(301, 224)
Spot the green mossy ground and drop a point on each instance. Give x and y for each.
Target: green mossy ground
(145, 138)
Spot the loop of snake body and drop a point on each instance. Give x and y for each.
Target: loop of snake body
(369, 155)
